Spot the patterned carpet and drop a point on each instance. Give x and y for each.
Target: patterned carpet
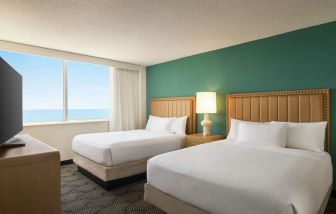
(81, 195)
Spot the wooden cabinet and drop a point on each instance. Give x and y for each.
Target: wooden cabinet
(196, 139)
(30, 179)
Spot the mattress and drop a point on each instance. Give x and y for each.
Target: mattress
(113, 148)
(224, 177)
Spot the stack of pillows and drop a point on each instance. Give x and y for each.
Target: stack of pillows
(174, 125)
(306, 136)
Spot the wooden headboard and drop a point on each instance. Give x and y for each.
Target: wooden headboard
(176, 107)
(292, 106)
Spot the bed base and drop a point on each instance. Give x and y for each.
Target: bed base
(172, 205)
(114, 176)
(108, 185)
(167, 203)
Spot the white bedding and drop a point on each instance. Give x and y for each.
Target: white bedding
(230, 178)
(113, 148)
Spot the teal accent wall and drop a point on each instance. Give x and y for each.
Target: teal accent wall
(301, 59)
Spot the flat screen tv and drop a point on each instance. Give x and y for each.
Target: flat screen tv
(10, 102)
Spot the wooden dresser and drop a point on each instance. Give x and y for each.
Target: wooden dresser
(30, 178)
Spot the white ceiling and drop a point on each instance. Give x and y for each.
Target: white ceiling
(148, 32)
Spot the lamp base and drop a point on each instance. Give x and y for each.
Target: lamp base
(206, 123)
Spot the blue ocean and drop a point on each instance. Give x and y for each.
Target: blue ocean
(57, 114)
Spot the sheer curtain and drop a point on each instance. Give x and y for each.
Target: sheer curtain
(128, 108)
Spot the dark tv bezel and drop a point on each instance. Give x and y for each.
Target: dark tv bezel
(10, 90)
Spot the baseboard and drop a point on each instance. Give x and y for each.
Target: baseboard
(66, 162)
(108, 185)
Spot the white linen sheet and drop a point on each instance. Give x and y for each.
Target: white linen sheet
(113, 148)
(233, 178)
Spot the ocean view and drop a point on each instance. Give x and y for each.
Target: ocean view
(57, 114)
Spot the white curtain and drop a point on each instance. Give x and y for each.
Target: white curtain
(127, 99)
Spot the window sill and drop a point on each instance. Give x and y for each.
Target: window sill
(47, 123)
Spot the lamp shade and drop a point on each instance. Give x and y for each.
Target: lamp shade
(206, 102)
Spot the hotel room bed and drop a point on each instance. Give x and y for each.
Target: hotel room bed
(115, 158)
(234, 178)
(227, 177)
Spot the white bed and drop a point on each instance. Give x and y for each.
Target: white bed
(114, 148)
(112, 159)
(259, 171)
(235, 178)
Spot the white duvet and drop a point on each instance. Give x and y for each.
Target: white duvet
(230, 178)
(113, 148)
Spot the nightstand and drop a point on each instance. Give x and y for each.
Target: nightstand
(197, 139)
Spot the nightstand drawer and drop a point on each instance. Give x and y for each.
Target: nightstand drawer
(190, 142)
(197, 139)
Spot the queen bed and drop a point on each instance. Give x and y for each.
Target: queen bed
(115, 158)
(230, 177)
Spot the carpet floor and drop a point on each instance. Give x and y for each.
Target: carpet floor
(81, 195)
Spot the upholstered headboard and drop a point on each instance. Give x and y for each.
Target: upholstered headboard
(176, 107)
(293, 106)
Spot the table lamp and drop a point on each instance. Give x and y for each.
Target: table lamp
(206, 104)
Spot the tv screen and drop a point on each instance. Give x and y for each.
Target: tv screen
(10, 102)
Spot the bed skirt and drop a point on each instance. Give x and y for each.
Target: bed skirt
(113, 176)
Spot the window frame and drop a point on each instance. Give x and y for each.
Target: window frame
(64, 55)
(65, 91)
(65, 119)
(65, 97)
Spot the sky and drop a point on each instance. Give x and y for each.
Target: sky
(88, 84)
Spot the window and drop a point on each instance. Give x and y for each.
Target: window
(42, 85)
(88, 91)
(43, 88)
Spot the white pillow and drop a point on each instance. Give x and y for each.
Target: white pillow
(307, 136)
(150, 122)
(159, 124)
(234, 128)
(267, 134)
(178, 125)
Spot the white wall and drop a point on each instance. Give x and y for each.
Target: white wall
(60, 135)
